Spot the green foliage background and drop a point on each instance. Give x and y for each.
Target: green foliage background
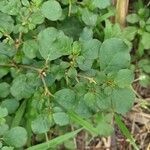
(64, 64)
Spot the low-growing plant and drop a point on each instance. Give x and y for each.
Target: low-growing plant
(60, 69)
(140, 23)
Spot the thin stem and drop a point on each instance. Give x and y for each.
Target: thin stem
(39, 70)
(47, 91)
(46, 137)
(7, 65)
(19, 40)
(88, 78)
(21, 66)
(20, 37)
(70, 6)
(139, 96)
(148, 4)
(30, 67)
(74, 139)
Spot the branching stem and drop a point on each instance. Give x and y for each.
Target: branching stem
(40, 71)
(91, 80)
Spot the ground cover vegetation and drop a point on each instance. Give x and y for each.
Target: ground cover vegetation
(67, 67)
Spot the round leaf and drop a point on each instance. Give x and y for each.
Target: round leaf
(65, 98)
(133, 18)
(41, 124)
(122, 100)
(89, 99)
(20, 88)
(51, 10)
(114, 55)
(89, 18)
(4, 89)
(3, 112)
(30, 48)
(61, 118)
(91, 49)
(16, 137)
(10, 104)
(3, 129)
(6, 23)
(124, 78)
(54, 44)
(101, 3)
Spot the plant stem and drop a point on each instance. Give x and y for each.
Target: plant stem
(46, 137)
(70, 6)
(40, 71)
(91, 80)
(21, 66)
(47, 92)
(121, 12)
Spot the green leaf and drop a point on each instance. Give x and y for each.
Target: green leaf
(91, 49)
(51, 10)
(41, 124)
(85, 124)
(133, 18)
(86, 34)
(122, 100)
(83, 63)
(108, 90)
(55, 142)
(102, 4)
(124, 78)
(104, 102)
(4, 89)
(7, 148)
(6, 23)
(20, 89)
(72, 72)
(104, 125)
(82, 109)
(3, 61)
(7, 50)
(148, 28)
(114, 55)
(61, 118)
(1, 145)
(11, 7)
(37, 18)
(125, 131)
(53, 44)
(112, 30)
(89, 99)
(30, 48)
(3, 129)
(145, 40)
(25, 3)
(10, 104)
(65, 98)
(71, 27)
(16, 137)
(3, 112)
(144, 64)
(144, 80)
(129, 33)
(89, 18)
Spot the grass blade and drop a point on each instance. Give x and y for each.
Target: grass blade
(19, 115)
(55, 142)
(85, 124)
(125, 131)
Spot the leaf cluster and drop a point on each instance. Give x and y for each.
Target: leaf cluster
(59, 68)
